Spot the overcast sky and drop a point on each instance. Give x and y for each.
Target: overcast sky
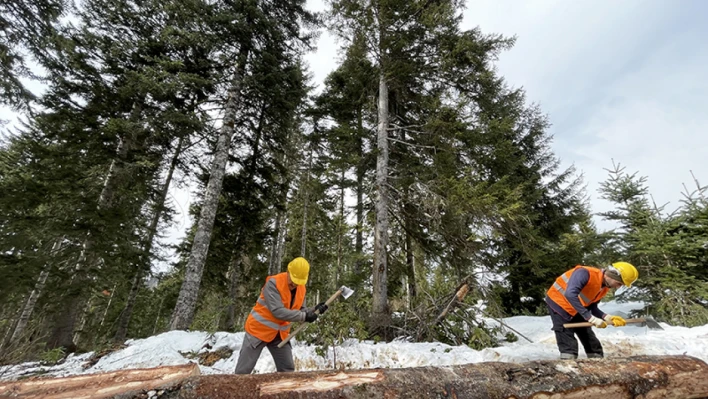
(624, 80)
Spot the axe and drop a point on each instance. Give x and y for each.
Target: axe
(344, 291)
(642, 321)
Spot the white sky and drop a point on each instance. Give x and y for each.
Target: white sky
(164, 349)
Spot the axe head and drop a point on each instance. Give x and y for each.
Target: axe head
(653, 324)
(647, 321)
(346, 291)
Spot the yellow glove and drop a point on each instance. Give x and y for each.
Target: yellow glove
(597, 322)
(615, 320)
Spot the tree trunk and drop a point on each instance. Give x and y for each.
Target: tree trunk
(157, 318)
(189, 292)
(274, 264)
(127, 313)
(410, 259)
(360, 171)
(238, 290)
(108, 305)
(340, 233)
(305, 194)
(32, 299)
(657, 377)
(279, 230)
(233, 285)
(281, 243)
(380, 300)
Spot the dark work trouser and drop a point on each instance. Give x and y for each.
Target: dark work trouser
(565, 337)
(251, 350)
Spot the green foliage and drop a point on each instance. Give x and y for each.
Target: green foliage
(511, 337)
(668, 249)
(209, 313)
(339, 323)
(52, 356)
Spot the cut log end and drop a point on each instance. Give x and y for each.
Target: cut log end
(102, 385)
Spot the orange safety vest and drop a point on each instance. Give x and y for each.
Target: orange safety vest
(592, 292)
(261, 323)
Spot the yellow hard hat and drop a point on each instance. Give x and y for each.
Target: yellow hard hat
(299, 268)
(628, 272)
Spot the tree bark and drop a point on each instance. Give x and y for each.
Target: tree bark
(340, 232)
(127, 313)
(32, 299)
(647, 377)
(305, 194)
(189, 292)
(380, 300)
(233, 288)
(410, 259)
(274, 264)
(360, 171)
(280, 230)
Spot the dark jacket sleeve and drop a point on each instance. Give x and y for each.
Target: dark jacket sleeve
(577, 282)
(596, 310)
(274, 302)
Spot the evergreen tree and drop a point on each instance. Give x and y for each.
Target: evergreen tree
(668, 249)
(25, 25)
(263, 33)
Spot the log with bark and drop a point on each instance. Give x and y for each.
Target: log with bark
(645, 377)
(121, 383)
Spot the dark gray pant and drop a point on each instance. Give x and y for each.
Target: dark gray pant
(251, 351)
(565, 338)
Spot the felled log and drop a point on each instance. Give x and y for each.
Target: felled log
(102, 385)
(646, 377)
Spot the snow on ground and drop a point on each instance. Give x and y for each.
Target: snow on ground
(180, 347)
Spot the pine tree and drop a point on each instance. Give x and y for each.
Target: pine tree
(261, 32)
(403, 39)
(668, 249)
(29, 25)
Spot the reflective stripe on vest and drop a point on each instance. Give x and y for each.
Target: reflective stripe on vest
(593, 291)
(260, 322)
(562, 291)
(268, 323)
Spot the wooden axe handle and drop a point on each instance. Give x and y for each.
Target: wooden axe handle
(333, 297)
(303, 325)
(588, 324)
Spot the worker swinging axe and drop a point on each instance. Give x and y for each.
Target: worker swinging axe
(344, 291)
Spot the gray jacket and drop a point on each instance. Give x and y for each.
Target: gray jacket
(274, 303)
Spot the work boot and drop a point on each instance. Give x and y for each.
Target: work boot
(595, 356)
(568, 356)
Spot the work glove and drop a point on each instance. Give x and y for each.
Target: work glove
(615, 320)
(321, 307)
(597, 322)
(310, 316)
